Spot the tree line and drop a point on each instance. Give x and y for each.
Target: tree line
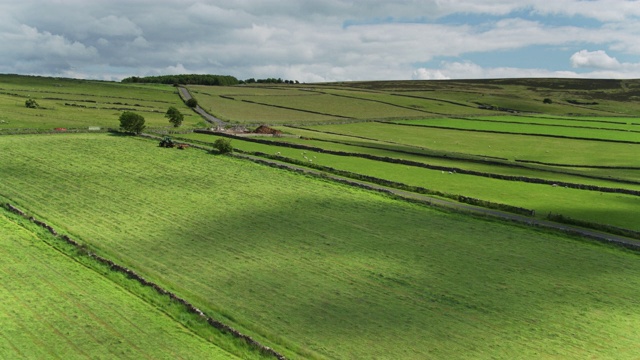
(203, 79)
(185, 79)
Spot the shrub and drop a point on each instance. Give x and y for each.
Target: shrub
(223, 146)
(192, 103)
(31, 104)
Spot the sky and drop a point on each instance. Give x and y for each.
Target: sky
(322, 40)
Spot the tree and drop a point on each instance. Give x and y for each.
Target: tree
(192, 103)
(31, 104)
(131, 122)
(175, 116)
(547, 101)
(223, 146)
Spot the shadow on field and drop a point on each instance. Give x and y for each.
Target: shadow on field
(624, 215)
(362, 277)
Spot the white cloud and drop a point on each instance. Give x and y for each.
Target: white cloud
(306, 40)
(429, 74)
(469, 70)
(594, 59)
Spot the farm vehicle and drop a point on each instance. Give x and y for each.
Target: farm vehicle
(167, 142)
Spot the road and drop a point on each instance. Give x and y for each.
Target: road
(185, 95)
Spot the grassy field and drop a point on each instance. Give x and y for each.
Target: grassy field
(314, 269)
(568, 96)
(385, 279)
(54, 307)
(594, 206)
(304, 103)
(509, 146)
(221, 101)
(516, 127)
(67, 103)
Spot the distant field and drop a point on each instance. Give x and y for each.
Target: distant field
(66, 103)
(330, 102)
(596, 123)
(566, 151)
(54, 307)
(251, 245)
(568, 96)
(221, 101)
(517, 127)
(306, 105)
(607, 208)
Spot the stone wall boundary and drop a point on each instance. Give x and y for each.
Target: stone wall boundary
(135, 276)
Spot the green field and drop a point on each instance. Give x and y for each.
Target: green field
(53, 307)
(309, 103)
(509, 146)
(251, 245)
(221, 101)
(624, 135)
(608, 208)
(80, 104)
(309, 267)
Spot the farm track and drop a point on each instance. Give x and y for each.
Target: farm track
(456, 206)
(185, 95)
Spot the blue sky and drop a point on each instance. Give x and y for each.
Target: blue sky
(315, 41)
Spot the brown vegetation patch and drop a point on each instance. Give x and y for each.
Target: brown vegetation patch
(264, 129)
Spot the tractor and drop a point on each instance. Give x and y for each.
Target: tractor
(166, 142)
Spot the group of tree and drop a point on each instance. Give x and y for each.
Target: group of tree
(134, 123)
(185, 79)
(269, 81)
(203, 79)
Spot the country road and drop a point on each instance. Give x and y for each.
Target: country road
(186, 95)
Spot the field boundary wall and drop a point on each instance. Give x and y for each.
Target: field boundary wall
(135, 276)
(512, 133)
(525, 179)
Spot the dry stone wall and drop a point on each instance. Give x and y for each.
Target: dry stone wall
(133, 275)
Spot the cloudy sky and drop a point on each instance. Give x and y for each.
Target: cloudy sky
(322, 40)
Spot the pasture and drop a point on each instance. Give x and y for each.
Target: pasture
(311, 268)
(491, 145)
(594, 206)
(252, 246)
(339, 102)
(508, 126)
(54, 307)
(80, 104)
